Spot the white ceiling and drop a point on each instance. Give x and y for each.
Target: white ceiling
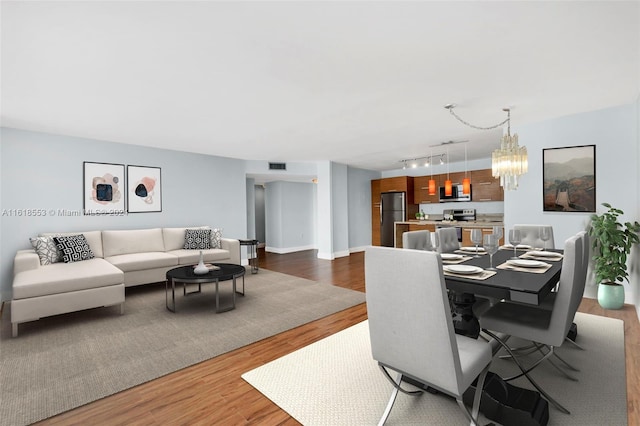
(359, 83)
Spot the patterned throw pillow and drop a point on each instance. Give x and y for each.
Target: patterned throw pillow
(197, 239)
(46, 249)
(216, 237)
(74, 248)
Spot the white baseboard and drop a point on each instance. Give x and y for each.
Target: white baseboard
(334, 255)
(321, 255)
(288, 249)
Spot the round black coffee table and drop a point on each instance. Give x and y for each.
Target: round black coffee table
(185, 275)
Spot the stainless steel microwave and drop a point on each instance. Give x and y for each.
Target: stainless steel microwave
(456, 194)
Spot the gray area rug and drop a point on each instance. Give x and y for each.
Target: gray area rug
(335, 382)
(62, 362)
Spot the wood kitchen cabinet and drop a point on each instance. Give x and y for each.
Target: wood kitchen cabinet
(398, 184)
(421, 190)
(484, 187)
(422, 227)
(394, 184)
(456, 178)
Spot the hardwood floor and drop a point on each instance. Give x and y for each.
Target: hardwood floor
(213, 392)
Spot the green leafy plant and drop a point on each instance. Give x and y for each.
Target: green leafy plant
(612, 242)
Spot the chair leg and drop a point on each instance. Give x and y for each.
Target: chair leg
(477, 397)
(394, 394)
(526, 374)
(566, 339)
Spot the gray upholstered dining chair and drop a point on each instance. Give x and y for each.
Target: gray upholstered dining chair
(417, 240)
(543, 326)
(411, 327)
(447, 239)
(549, 301)
(530, 235)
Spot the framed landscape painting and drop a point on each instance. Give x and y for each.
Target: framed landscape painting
(569, 179)
(144, 189)
(103, 187)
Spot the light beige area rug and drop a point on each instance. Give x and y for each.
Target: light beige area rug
(62, 362)
(336, 382)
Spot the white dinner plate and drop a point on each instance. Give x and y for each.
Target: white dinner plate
(451, 256)
(472, 249)
(525, 263)
(463, 269)
(544, 254)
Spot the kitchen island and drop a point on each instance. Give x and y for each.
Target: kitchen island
(465, 227)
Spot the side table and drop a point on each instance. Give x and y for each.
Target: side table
(252, 253)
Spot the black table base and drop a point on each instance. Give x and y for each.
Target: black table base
(465, 322)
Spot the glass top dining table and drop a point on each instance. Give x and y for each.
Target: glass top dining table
(516, 285)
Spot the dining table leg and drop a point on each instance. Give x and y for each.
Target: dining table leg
(465, 322)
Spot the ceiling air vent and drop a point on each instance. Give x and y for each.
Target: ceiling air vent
(277, 166)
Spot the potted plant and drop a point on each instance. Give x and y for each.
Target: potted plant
(612, 243)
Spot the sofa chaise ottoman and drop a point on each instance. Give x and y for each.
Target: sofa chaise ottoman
(118, 258)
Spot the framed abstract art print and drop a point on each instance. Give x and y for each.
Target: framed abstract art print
(144, 189)
(103, 189)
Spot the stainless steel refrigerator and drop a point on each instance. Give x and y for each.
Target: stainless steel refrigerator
(392, 209)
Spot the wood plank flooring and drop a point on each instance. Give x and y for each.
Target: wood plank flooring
(213, 392)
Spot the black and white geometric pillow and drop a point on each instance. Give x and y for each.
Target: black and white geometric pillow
(216, 237)
(74, 248)
(47, 250)
(197, 239)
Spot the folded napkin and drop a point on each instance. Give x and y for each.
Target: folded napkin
(540, 270)
(456, 261)
(481, 276)
(473, 252)
(528, 255)
(518, 247)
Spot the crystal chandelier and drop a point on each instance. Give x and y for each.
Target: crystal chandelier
(510, 160)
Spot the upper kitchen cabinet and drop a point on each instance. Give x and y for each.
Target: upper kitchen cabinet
(399, 184)
(456, 178)
(421, 190)
(395, 184)
(485, 187)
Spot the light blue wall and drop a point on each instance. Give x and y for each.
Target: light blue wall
(259, 203)
(340, 209)
(614, 131)
(251, 208)
(43, 171)
(359, 184)
(635, 254)
(290, 219)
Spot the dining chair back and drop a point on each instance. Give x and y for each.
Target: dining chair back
(530, 235)
(447, 239)
(417, 240)
(411, 326)
(534, 323)
(581, 275)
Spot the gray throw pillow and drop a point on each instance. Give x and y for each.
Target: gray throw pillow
(46, 249)
(216, 237)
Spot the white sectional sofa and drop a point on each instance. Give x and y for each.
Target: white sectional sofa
(121, 258)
